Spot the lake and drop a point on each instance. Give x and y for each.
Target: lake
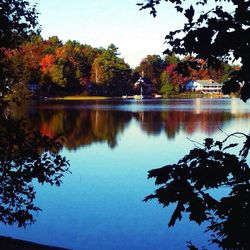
(111, 145)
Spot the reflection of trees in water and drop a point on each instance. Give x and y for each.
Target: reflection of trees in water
(86, 126)
(83, 127)
(192, 122)
(174, 121)
(151, 122)
(25, 156)
(187, 183)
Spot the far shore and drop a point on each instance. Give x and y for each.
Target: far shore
(78, 98)
(181, 96)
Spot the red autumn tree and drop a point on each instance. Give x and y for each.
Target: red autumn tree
(47, 62)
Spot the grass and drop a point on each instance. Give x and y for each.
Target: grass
(78, 98)
(180, 95)
(194, 95)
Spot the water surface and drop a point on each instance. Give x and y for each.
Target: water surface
(111, 145)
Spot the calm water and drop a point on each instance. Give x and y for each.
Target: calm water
(111, 146)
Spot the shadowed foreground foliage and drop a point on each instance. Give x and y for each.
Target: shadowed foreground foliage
(25, 156)
(192, 182)
(18, 22)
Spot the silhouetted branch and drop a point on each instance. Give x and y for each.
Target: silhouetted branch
(236, 134)
(195, 142)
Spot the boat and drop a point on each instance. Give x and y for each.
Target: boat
(138, 97)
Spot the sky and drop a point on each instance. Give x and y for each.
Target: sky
(101, 22)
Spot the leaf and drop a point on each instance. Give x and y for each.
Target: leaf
(162, 175)
(210, 202)
(179, 9)
(189, 14)
(208, 143)
(177, 214)
(197, 210)
(219, 144)
(191, 246)
(202, 18)
(244, 151)
(149, 197)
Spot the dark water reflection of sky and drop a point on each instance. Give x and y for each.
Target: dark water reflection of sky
(111, 145)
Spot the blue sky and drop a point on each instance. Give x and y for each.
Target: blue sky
(102, 22)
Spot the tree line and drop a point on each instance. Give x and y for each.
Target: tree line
(72, 68)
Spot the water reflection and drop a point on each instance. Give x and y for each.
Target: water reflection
(84, 123)
(25, 156)
(102, 197)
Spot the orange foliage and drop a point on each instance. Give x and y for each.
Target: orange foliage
(47, 62)
(60, 52)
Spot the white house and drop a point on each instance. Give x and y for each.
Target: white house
(204, 86)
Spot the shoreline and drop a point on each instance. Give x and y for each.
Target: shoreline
(76, 98)
(93, 98)
(16, 244)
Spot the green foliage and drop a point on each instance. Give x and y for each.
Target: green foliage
(57, 76)
(18, 22)
(52, 43)
(166, 87)
(67, 68)
(111, 72)
(227, 70)
(171, 59)
(151, 68)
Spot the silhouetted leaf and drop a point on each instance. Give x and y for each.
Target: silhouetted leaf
(191, 246)
(177, 214)
(179, 9)
(219, 144)
(244, 151)
(190, 184)
(209, 143)
(189, 14)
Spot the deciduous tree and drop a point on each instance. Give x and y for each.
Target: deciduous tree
(216, 32)
(18, 21)
(151, 67)
(111, 72)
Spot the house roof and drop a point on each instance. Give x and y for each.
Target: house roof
(205, 81)
(209, 82)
